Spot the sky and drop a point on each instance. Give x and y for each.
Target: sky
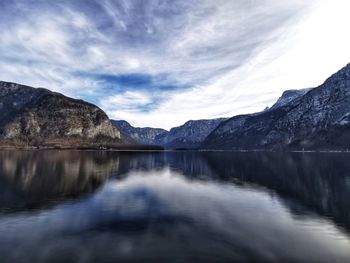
(159, 63)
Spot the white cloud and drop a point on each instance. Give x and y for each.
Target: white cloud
(302, 56)
(234, 56)
(128, 100)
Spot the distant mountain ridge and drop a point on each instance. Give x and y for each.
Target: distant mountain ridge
(317, 118)
(141, 135)
(39, 117)
(188, 135)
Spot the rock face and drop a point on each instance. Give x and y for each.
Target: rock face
(38, 117)
(312, 119)
(140, 135)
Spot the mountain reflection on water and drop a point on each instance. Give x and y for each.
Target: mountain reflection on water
(90, 206)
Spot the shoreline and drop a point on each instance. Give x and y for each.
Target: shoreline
(158, 149)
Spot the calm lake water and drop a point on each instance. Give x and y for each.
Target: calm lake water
(86, 206)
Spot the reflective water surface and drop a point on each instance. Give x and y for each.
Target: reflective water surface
(90, 206)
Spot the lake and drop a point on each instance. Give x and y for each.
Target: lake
(96, 206)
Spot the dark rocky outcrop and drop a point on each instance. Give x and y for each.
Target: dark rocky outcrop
(315, 119)
(41, 118)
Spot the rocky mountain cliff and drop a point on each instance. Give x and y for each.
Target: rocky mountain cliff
(141, 135)
(38, 117)
(188, 135)
(318, 118)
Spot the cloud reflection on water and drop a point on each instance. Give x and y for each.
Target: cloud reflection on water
(162, 213)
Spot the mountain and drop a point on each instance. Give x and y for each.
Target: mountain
(189, 135)
(288, 96)
(39, 117)
(318, 118)
(141, 135)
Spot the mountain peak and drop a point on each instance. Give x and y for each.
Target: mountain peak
(340, 78)
(288, 96)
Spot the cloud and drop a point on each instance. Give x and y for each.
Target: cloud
(160, 62)
(132, 101)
